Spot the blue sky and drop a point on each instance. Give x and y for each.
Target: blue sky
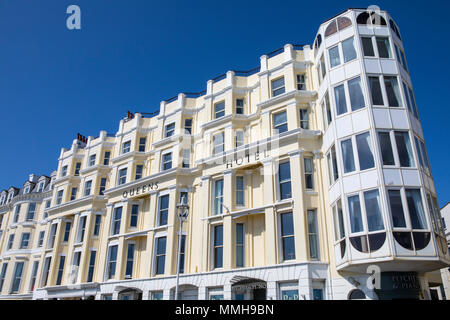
(130, 55)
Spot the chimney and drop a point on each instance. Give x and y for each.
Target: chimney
(33, 178)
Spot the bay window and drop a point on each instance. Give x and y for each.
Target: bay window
(348, 49)
(280, 122)
(333, 173)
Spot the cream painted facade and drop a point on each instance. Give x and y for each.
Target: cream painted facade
(291, 192)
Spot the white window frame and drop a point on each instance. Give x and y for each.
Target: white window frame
(119, 177)
(125, 147)
(162, 160)
(169, 129)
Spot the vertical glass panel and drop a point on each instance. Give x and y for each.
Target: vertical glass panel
(392, 91)
(397, 213)
(356, 95)
(384, 48)
(347, 156)
(415, 207)
(341, 103)
(348, 48)
(354, 207)
(239, 245)
(386, 149)
(368, 47)
(365, 153)
(404, 149)
(375, 90)
(373, 211)
(334, 57)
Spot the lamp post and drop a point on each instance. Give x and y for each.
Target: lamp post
(182, 214)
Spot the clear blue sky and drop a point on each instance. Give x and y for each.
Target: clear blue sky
(130, 55)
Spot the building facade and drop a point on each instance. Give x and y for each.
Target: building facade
(306, 178)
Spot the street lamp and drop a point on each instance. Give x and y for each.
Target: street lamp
(182, 214)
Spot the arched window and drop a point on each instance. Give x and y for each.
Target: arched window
(331, 29)
(337, 24)
(343, 22)
(356, 294)
(318, 42)
(371, 19)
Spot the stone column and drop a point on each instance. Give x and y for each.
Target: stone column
(205, 192)
(227, 220)
(270, 215)
(172, 233)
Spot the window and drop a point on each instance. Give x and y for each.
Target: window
(335, 59)
(33, 276)
(31, 211)
(404, 149)
(219, 143)
(156, 295)
(304, 119)
(3, 274)
(122, 176)
(112, 259)
(332, 165)
(218, 246)
(10, 242)
(97, 222)
(81, 229)
(384, 47)
(186, 158)
(239, 106)
(41, 238)
(102, 188)
(284, 179)
(219, 110)
(26, 190)
(142, 142)
(76, 263)
(392, 91)
(347, 156)
(367, 47)
(356, 95)
(67, 231)
(126, 146)
(277, 87)
(373, 210)
(40, 186)
(116, 221)
(92, 160)
(160, 255)
(139, 170)
(354, 208)
(280, 122)
(422, 155)
(64, 171)
(313, 235)
(215, 293)
(240, 191)
(289, 291)
(17, 277)
(134, 216)
(52, 236)
(328, 118)
(239, 138)
(87, 188)
(170, 130)
(46, 271)
(348, 48)
(25, 241)
(396, 206)
(323, 70)
(62, 260)
(73, 193)
(365, 153)
(17, 213)
(309, 173)
(130, 261)
(163, 209)
(287, 236)
(240, 247)
(341, 103)
(387, 154)
(375, 90)
(59, 196)
(339, 227)
(167, 161)
(218, 196)
(188, 126)
(301, 83)
(182, 254)
(415, 208)
(91, 268)
(106, 158)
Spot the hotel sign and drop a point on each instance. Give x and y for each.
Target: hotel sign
(142, 189)
(247, 158)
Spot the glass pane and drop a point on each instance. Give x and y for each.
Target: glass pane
(341, 103)
(285, 190)
(373, 211)
(218, 235)
(356, 95)
(368, 47)
(279, 118)
(384, 48)
(341, 219)
(397, 213)
(288, 248)
(365, 153)
(404, 149)
(415, 207)
(392, 91)
(287, 224)
(347, 155)
(386, 149)
(354, 207)
(375, 90)
(218, 257)
(334, 57)
(349, 50)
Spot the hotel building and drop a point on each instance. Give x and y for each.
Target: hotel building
(306, 178)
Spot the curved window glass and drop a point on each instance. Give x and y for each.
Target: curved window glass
(366, 18)
(373, 211)
(415, 207)
(356, 95)
(376, 241)
(354, 207)
(356, 295)
(404, 239)
(347, 156)
(365, 153)
(331, 29)
(360, 243)
(343, 22)
(421, 239)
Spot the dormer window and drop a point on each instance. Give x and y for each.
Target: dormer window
(9, 197)
(40, 186)
(26, 190)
